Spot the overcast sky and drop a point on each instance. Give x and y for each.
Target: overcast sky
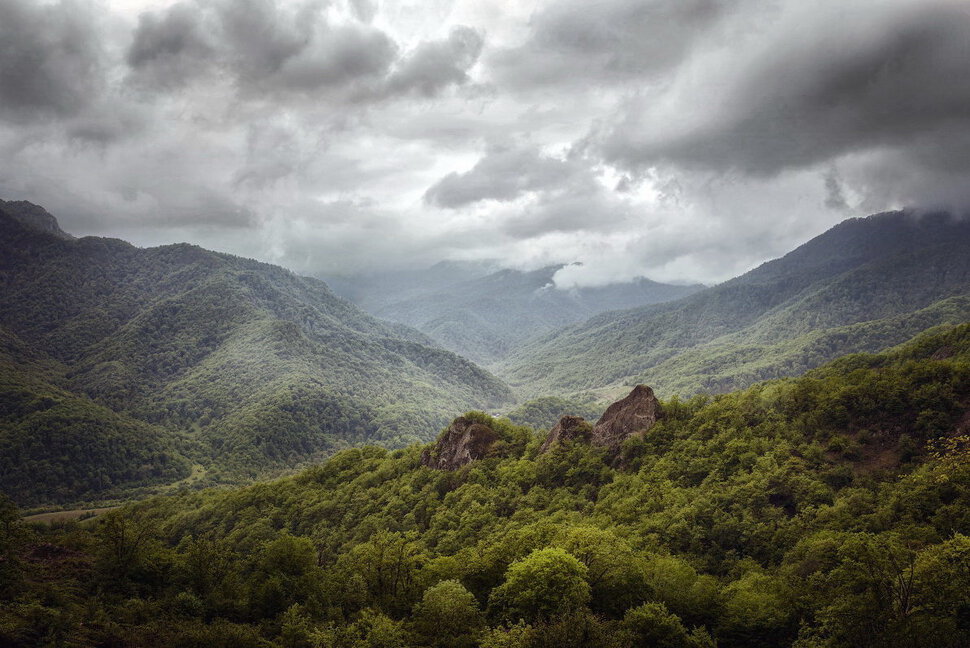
(676, 139)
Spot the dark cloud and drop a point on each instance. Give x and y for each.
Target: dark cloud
(581, 208)
(263, 46)
(259, 45)
(171, 48)
(831, 84)
(681, 139)
(561, 194)
(51, 61)
(503, 174)
(575, 42)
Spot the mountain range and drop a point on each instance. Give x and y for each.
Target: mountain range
(124, 366)
(126, 370)
(485, 313)
(864, 285)
(826, 511)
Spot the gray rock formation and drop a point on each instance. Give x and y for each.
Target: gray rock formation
(567, 429)
(462, 443)
(635, 414)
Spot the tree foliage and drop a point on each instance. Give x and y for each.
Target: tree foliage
(811, 512)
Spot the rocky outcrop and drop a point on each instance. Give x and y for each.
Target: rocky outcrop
(635, 414)
(567, 429)
(463, 442)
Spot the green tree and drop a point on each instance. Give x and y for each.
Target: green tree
(448, 615)
(11, 540)
(546, 583)
(616, 573)
(652, 624)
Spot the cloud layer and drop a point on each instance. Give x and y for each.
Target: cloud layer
(677, 139)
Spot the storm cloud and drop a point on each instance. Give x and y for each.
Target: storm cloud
(51, 61)
(677, 139)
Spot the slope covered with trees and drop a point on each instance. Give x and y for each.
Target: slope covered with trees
(864, 285)
(262, 369)
(831, 510)
(58, 446)
(485, 317)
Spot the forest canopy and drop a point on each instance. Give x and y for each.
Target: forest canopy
(829, 510)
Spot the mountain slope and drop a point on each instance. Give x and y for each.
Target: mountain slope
(55, 445)
(485, 317)
(265, 368)
(827, 510)
(882, 275)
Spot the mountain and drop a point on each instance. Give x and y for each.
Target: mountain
(56, 445)
(256, 368)
(830, 510)
(33, 217)
(864, 285)
(485, 317)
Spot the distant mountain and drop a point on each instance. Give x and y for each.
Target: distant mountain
(374, 290)
(247, 365)
(485, 316)
(864, 285)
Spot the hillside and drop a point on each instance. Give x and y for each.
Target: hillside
(484, 315)
(831, 510)
(864, 285)
(260, 368)
(58, 446)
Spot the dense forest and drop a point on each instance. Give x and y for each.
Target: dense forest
(864, 285)
(830, 510)
(122, 367)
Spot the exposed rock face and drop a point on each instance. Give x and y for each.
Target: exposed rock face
(462, 443)
(567, 429)
(633, 415)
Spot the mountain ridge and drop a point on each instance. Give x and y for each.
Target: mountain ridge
(485, 316)
(867, 269)
(264, 368)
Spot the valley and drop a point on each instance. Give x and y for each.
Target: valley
(484, 324)
(250, 457)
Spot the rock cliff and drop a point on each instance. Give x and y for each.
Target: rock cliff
(463, 442)
(568, 428)
(635, 414)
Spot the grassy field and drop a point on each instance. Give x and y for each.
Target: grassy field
(63, 516)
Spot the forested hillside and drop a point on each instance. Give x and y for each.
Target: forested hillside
(245, 366)
(831, 510)
(485, 317)
(864, 285)
(59, 446)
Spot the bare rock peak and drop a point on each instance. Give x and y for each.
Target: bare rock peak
(465, 441)
(635, 414)
(569, 428)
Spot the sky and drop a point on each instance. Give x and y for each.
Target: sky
(681, 140)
